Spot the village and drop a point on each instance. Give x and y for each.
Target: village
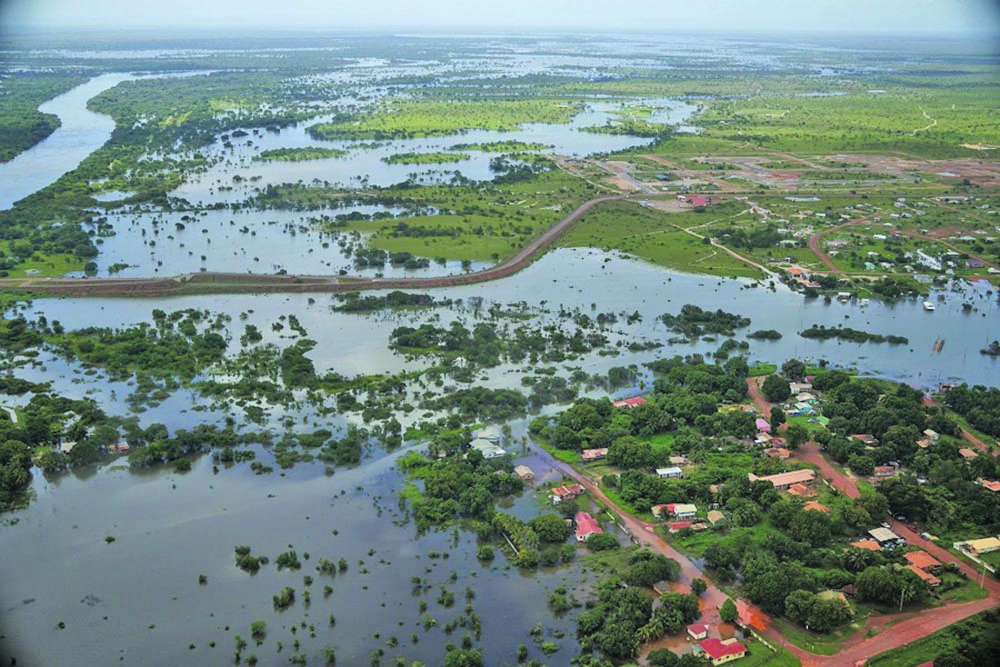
(822, 498)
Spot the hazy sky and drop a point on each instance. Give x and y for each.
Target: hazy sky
(944, 17)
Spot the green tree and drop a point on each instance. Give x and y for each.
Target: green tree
(793, 369)
(698, 586)
(861, 464)
(778, 417)
(795, 435)
(775, 389)
(630, 452)
(550, 527)
(728, 612)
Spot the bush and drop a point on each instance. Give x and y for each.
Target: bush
(602, 542)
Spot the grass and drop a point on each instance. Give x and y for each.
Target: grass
(760, 655)
(652, 236)
(425, 158)
(930, 647)
(47, 266)
(829, 644)
(299, 154)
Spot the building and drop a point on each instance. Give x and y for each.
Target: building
(884, 471)
(967, 453)
(886, 538)
(670, 473)
(682, 510)
(777, 452)
(786, 479)
(983, 546)
(678, 460)
(594, 454)
(926, 577)
(489, 448)
(922, 560)
(866, 438)
(813, 506)
(629, 402)
(525, 473)
(990, 486)
(800, 490)
(870, 545)
(721, 651)
(763, 426)
(799, 387)
(586, 526)
(931, 435)
(567, 492)
(657, 510)
(698, 631)
(715, 517)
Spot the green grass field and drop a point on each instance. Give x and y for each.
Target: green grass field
(650, 235)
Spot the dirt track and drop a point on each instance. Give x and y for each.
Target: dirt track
(234, 283)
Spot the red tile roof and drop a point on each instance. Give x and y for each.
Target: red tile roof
(567, 491)
(871, 545)
(815, 506)
(586, 526)
(715, 649)
(629, 402)
(922, 559)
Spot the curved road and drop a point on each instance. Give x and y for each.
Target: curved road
(232, 283)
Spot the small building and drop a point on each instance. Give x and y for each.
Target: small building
(884, 471)
(924, 443)
(777, 452)
(799, 387)
(678, 460)
(670, 473)
(683, 510)
(786, 479)
(629, 402)
(983, 546)
(715, 517)
(567, 492)
(922, 560)
(813, 506)
(658, 510)
(67, 447)
(721, 651)
(489, 448)
(886, 538)
(869, 545)
(762, 425)
(678, 526)
(594, 454)
(799, 490)
(525, 473)
(931, 435)
(866, 438)
(586, 526)
(989, 485)
(967, 453)
(698, 631)
(926, 577)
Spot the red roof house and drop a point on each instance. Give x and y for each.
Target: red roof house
(720, 652)
(698, 630)
(567, 492)
(586, 526)
(629, 402)
(762, 425)
(696, 201)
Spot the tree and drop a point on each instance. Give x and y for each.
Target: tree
(698, 586)
(793, 369)
(861, 465)
(728, 612)
(630, 452)
(662, 657)
(795, 435)
(877, 584)
(777, 417)
(775, 389)
(461, 657)
(602, 542)
(798, 606)
(550, 527)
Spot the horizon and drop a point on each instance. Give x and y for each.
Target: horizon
(890, 18)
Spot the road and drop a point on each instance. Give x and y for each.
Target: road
(233, 283)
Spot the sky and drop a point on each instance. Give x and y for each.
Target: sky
(931, 17)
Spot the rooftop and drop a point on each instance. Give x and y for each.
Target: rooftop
(922, 559)
(715, 648)
(787, 478)
(883, 534)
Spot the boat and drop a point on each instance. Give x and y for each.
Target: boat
(929, 306)
(863, 302)
(938, 344)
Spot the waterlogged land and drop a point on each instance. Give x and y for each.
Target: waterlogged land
(284, 440)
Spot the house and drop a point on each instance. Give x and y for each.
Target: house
(679, 460)
(629, 402)
(786, 479)
(721, 651)
(697, 201)
(715, 517)
(983, 546)
(67, 447)
(885, 471)
(886, 538)
(799, 387)
(870, 545)
(805, 397)
(777, 452)
(926, 577)
(931, 435)
(990, 486)
(763, 426)
(866, 438)
(799, 490)
(594, 454)
(490, 433)
(678, 526)
(489, 448)
(967, 453)
(657, 510)
(698, 631)
(814, 506)
(568, 492)
(586, 526)
(670, 473)
(683, 510)
(525, 473)
(924, 443)
(923, 560)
